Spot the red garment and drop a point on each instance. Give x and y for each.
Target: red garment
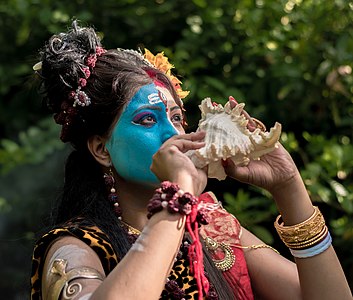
(224, 227)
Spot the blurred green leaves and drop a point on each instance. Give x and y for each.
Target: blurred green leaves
(289, 60)
(33, 146)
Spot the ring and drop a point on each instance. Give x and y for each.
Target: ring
(259, 124)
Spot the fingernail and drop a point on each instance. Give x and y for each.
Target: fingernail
(231, 98)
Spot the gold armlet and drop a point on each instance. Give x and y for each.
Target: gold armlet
(59, 280)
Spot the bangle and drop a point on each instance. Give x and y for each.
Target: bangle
(315, 250)
(305, 234)
(310, 242)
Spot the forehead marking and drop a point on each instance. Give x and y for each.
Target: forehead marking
(154, 98)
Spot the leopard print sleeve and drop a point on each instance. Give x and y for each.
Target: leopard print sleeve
(91, 235)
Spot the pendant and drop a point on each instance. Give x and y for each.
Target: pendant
(228, 260)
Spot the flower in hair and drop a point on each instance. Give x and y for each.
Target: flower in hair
(69, 110)
(81, 98)
(160, 62)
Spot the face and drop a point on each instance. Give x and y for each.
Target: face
(149, 119)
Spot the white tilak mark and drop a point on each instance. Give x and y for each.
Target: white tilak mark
(138, 247)
(154, 98)
(139, 244)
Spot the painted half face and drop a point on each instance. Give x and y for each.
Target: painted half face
(141, 129)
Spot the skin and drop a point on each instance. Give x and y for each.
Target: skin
(144, 115)
(272, 276)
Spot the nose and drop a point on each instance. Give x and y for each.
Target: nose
(168, 131)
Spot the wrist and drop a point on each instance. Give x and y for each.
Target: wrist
(293, 201)
(171, 198)
(185, 182)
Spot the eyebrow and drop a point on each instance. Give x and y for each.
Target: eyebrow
(153, 107)
(175, 107)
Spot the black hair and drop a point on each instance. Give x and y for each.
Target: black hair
(113, 81)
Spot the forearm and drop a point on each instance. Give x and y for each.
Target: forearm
(321, 276)
(142, 273)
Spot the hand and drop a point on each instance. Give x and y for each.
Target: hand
(170, 162)
(272, 171)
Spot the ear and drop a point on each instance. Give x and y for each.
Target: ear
(96, 145)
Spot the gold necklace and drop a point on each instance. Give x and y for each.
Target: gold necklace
(130, 229)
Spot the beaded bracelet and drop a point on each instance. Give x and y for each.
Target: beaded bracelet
(169, 196)
(176, 201)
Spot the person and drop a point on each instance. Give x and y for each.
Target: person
(133, 220)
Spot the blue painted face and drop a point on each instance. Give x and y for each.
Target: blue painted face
(141, 129)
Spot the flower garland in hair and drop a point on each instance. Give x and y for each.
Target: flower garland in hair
(160, 62)
(77, 97)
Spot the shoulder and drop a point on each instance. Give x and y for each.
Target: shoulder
(70, 260)
(223, 226)
(89, 234)
(71, 238)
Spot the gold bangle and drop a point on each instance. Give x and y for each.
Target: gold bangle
(304, 233)
(311, 242)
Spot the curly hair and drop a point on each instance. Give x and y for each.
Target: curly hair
(115, 78)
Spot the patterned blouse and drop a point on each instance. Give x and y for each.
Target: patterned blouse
(223, 229)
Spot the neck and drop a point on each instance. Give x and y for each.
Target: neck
(133, 200)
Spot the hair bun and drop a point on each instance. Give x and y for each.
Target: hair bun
(63, 62)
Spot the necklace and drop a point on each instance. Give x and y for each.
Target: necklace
(130, 229)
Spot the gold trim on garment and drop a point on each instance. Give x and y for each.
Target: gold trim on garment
(62, 280)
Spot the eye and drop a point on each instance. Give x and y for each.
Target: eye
(177, 119)
(145, 119)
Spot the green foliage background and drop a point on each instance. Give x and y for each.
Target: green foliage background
(288, 60)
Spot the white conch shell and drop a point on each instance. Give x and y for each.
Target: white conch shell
(227, 136)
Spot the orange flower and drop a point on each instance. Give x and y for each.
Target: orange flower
(161, 63)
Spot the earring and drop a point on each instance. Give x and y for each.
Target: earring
(109, 181)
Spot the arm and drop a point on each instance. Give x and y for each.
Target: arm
(320, 277)
(149, 258)
(270, 271)
(142, 273)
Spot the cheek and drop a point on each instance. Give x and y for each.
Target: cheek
(180, 129)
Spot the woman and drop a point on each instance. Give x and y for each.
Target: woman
(120, 234)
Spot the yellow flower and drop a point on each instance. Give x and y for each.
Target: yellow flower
(161, 63)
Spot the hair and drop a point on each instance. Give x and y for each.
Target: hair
(116, 77)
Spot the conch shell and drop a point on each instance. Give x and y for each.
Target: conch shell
(227, 136)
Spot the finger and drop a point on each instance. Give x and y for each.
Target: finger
(194, 136)
(251, 124)
(236, 172)
(233, 103)
(186, 145)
